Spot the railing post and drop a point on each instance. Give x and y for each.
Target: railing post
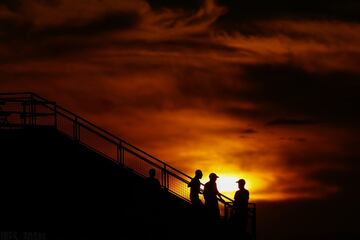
(32, 110)
(34, 113)
(55, 115)
(120, 154)
(76, 130)
(165, 177)
(24, 114)
(253, 224)
(167, 180)
(226, 213)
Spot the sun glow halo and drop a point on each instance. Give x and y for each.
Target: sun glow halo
(227, 184)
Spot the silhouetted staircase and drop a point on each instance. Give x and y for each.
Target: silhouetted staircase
(56, 177)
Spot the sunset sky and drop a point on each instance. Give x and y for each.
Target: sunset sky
(262, 90)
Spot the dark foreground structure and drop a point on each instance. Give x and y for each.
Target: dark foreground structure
(62, 177)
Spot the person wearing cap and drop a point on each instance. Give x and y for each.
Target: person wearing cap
(241, 200)
(195, 189)
(211, 201)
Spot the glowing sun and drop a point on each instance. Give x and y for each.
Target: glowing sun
(227, 184)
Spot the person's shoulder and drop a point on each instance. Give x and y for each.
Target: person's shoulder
(243, 191)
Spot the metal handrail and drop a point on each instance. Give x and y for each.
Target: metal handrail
(107, 132)
(33, 98)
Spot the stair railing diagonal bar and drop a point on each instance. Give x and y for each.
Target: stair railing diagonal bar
(98, 131)
(142, 158)
(103, 130)
(80, 119)
(112, 135)
(173, 179)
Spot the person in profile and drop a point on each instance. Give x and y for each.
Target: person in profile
(195, 190)
(241, 200)
(211, 201)
(153, 190)
(153, 184)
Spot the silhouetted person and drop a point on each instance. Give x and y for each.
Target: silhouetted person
(153, 190)
(153, 184)
(241, 200)
(195, 190)
(211, 201)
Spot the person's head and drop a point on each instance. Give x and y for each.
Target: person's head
(152, 172)
(198, 174)
(213, 177)
(241, 183)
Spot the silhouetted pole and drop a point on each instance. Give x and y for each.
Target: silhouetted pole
(120, 154)
(55, 116)
(76, 130)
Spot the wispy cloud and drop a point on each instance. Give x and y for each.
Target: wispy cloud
(173, 81)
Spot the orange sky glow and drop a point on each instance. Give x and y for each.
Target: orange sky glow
(192, 95)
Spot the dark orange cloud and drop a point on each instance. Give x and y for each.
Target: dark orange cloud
(170, 80)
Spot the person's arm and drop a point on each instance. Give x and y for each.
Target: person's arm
(205, 190)
(221, 199)
(219, 194)
(190, 183)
